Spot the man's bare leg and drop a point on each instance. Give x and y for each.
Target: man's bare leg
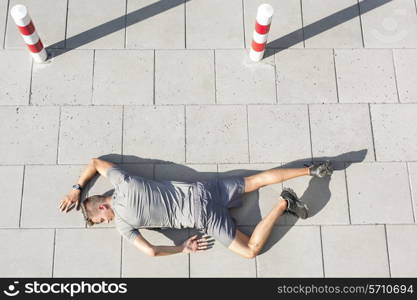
(254, 182)
(249, 247)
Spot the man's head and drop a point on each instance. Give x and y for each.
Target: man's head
(97, 209)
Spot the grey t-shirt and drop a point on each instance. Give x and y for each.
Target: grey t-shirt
(139, 202)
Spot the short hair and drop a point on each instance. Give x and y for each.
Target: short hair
(89, 207)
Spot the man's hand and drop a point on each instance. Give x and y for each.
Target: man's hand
(70, 200)
(193, 244)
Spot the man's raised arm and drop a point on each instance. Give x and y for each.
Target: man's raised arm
(73, 197)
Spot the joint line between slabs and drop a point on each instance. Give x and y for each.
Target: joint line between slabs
(347, 193)
(123, 119)
(360, 23)
(335, 75)
(309, 131)
(386, 247)
(59, 132)
(21, 196)
(5, 27)
(125, 19)
(121, 256)
(275, 75)
(154, 78)
(66, 26)
(30, 82)
(247, 131)
(243, 19)
(395, 76)
(189, 257)
(215, 77)
(53, 254)
(185, 24)
(92, 78)
(322, 251)
(302, 23)
(185, 133)
(411, 191)
(372, 130)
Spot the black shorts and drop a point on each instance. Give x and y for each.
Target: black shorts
(216, 196)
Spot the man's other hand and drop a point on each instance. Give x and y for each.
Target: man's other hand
(71, 200)
(194, 244)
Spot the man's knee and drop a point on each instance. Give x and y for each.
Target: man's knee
(253, 250)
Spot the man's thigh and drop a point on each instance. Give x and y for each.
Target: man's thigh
(252, 183)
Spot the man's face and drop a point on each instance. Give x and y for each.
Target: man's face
(105, 215)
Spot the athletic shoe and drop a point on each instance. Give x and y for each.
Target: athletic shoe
(320, 170)
(295, 206)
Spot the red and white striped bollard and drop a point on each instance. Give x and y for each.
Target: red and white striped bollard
(25, 25)
(260, 34)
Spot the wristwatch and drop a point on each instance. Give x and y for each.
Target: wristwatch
(77, 187)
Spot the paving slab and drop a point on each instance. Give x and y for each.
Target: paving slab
(3, 18)
(212, 127)
(395, 132)
(94, 247)
(311, 69)
(11, 180)
(144, 136)
(187, 173)
(137, 264)
(239, 80)
(402, 258)
(116, 74)
(339, 128)
(17, 261)
(184, 77)
(227, 263)
(379, 193)
(346, 248)
(64, 80)
(206, 27)
(406, 72)
(23, 143)
(318, 33)
(14, 86)
(391, 25)
(40, 201)
(287, 256)
(256, 204)
(278, 133)
(326, 198)
(96, 130)
(143, 16)
(286, 27)
(365, 75)
(86, 23)
(412, 172)
(43, 13)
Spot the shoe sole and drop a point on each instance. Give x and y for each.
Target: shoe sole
(291, 191)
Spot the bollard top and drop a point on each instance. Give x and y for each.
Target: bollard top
(19, 11)
(266, 10)
(264, 14)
